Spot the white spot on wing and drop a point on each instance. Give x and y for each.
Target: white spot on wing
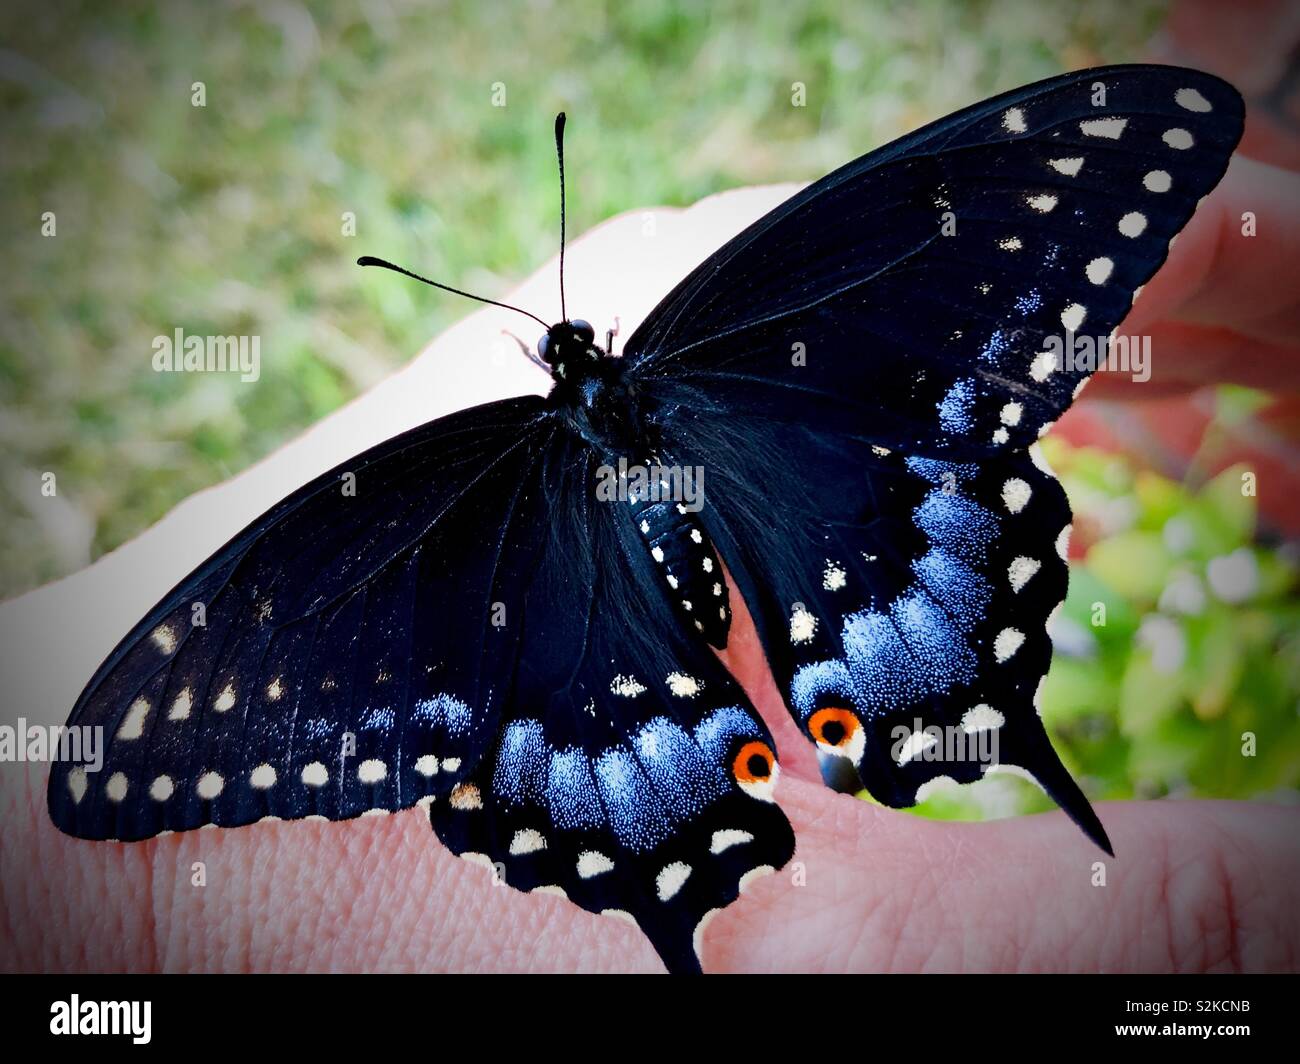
(1069, 167)
(133, 723)
(1133, 224)
(917, 743)
(670, 879)
(1039, 459)
(803, 626)
(225, 700)
(1008, 641)
(527, 840)
(164, 638)
(1063, 543)
(1178, 139)
(426, 765)
(1042, 203)
(1010, 243)
(753, 874)
(1014, 770)
(1020, 571)
(115, 789)
(1157, 181)
(371, 770)
(593, 863)
(161, 788)
(626, 686)
(1010, 414)
(1110, 128)
(683, 686)
(1015, 494)
(1013, 120)
(210, 785)
(834, 576)
(315, 774)
(181, 705)
(1099, 269)
(727, 838)
(262, 777)
(1192, 100)
(77, 784)
(1073, 316)
(697, 939)
(982, 718)
(1043, 366)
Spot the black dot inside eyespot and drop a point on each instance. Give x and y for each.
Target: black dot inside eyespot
(832, 732)
(758, 766)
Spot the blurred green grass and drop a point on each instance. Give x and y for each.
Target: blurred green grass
(227, 219)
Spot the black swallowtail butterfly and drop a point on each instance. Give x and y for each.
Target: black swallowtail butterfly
(879, 503)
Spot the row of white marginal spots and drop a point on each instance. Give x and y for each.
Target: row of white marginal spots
(591, 863)
(210, 784)
(1132, 224)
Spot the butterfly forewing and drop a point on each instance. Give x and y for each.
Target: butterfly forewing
(333, 656)
(927, 294)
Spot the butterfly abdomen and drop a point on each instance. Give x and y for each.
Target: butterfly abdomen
(687, 562)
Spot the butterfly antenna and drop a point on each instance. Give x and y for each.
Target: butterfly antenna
(559, 151)
(370, 260)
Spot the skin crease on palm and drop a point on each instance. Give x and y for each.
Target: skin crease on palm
(1195, 885)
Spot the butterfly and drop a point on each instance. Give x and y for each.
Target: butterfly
(461, 619)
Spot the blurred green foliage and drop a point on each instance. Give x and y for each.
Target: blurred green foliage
(227, 219)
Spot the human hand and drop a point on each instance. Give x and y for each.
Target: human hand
(1195, 885)
(1225, 307)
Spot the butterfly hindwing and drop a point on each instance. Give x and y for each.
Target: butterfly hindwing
(630, 772)
(952, 270)
(332, 657)
(905, 613)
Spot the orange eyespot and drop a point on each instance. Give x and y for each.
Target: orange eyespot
(753, 763)
(833, 726)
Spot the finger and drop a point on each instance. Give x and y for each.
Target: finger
(1234, 265)
(1185, 356)
(1196, 886)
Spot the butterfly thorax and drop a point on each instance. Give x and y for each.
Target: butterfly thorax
(593, 394)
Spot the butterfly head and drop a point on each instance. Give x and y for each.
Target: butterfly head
(568, 342)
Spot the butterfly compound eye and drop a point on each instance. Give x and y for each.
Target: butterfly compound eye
(583, 330)
(544, 346)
